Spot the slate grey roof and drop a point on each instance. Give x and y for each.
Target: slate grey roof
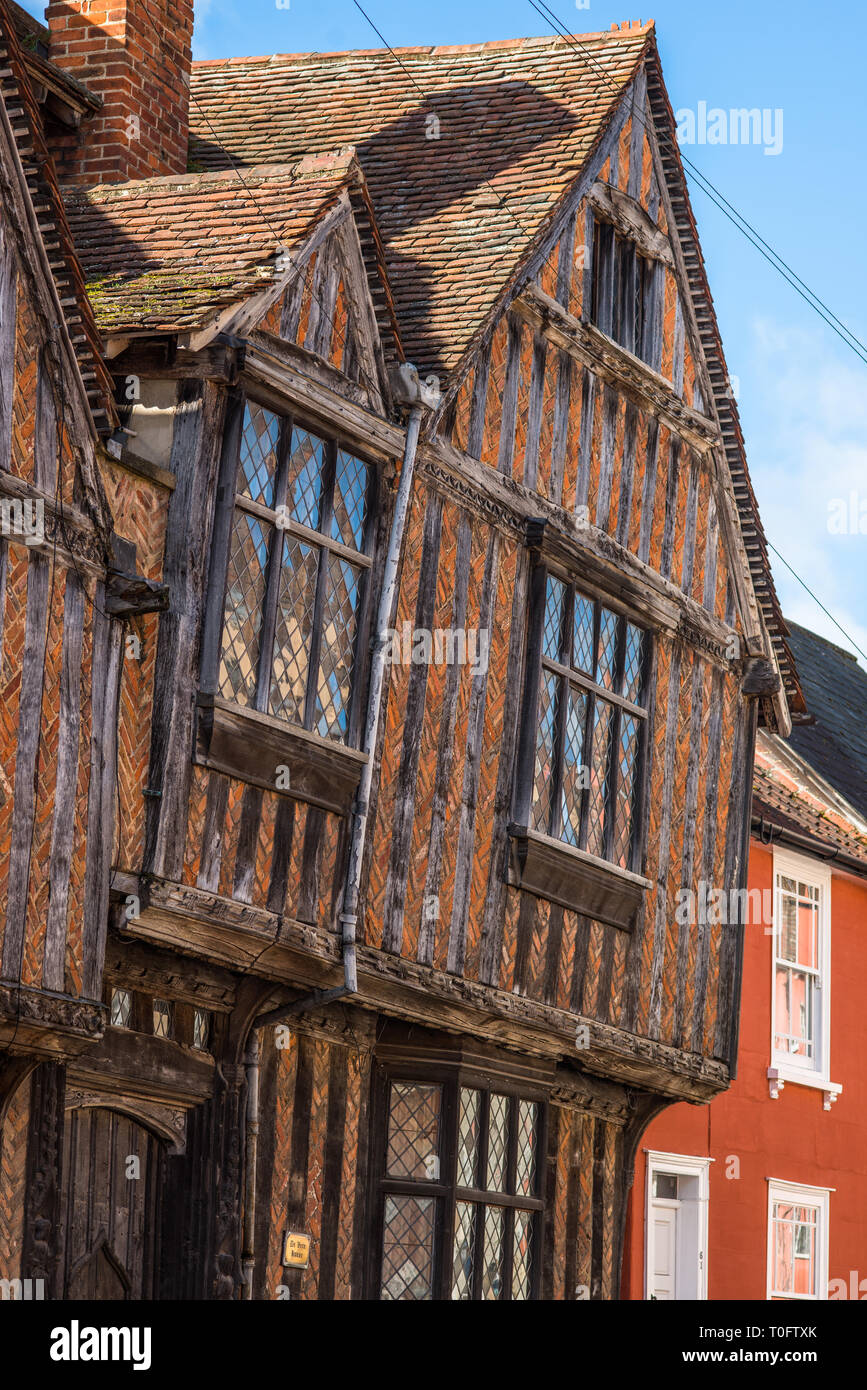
(835, 689)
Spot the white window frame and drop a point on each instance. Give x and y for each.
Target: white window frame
(805, 1195)
(784, 1067)
(686, 1165)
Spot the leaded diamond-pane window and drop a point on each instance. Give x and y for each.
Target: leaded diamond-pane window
(407, 1248)
(297, 575)
(121, 1008)
(201, 1029)
(163, 1018)
(461, 1192)
(413, 1131)
(590, 724)
(493, 1241)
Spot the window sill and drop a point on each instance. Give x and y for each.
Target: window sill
(780, 1075)
(251, 746)
(574, 879)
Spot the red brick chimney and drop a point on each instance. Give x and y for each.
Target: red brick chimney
(136, 55)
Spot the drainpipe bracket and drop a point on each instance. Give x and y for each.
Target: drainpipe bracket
(408, 388)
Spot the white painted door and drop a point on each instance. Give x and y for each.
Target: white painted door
(662, 1262)
(676, 1226)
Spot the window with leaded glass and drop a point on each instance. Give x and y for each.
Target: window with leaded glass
(497, 1207)
(461, 1192)
(121, 1008)
(163, 1017)
(201, 1029)
(590, 721)
(297, 570)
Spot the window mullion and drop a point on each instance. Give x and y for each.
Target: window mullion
(221, 543)
(556, 820)
(315, 638)
(614, 746)
(273, 574)
(565, 653)
(588, 733)
(511, 1188)
(329, 481)
(273, 567)
(326, 512)
(482, 1179)
(445, 1220)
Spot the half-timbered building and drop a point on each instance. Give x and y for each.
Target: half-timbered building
(427, 439)
(61, 584)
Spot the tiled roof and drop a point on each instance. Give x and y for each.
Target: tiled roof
(835, 687)
(167, 254)
(26, 124)
(459, 214)
(785, 800)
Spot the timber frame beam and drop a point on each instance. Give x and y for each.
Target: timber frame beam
(46, 1023)
(275, 368)
(509, 504)
(500, 500)
(629, 218)
(292, 954)
(614, 364)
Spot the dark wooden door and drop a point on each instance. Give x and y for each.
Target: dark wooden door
(112, 1181)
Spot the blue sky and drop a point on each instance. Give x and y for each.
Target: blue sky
(802, 393)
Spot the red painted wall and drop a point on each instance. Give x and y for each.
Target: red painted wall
(792, 1138)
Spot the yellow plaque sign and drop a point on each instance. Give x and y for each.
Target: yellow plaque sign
(296, 1250)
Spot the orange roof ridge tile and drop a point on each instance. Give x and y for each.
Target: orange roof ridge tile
(632, 30)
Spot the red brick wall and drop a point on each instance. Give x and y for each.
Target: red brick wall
(311, 1170)
(137, 57)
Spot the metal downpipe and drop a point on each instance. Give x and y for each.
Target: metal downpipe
(348, 915)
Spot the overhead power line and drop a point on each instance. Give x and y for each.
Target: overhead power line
(817, 600)
(426, 97)
(773, 258)
(725, 207)
(717, 198)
